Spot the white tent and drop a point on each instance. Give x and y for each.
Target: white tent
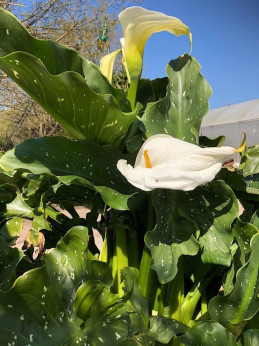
(231, 120)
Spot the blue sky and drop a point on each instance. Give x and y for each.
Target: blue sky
(225, 43)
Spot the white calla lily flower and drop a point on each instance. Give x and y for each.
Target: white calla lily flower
(106, 64)
(138, 24)
(170, 163)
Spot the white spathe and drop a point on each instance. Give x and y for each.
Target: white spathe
(107, 62)
(138, 24)
(175, 164)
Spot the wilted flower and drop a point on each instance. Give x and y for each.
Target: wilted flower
(170, 163)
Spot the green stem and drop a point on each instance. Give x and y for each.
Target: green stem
(115, 270)
(157, 297)
(145, 272)
(104, 250)
(175, 342)
(176, 293)
(132, 92)
(194, 295)
(55, 214)
(121, 255)
(148, 281)
(190, 303)
(133, 248)
(204, 305)
(161, 311)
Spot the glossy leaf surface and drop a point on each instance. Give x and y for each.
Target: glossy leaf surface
(163, 329)
(205, 213)
(49, 305)
(180, 112)
(208, 333)
(250, 160)
(244, 232)
(243, 302)
(130, 278)
(83, 162)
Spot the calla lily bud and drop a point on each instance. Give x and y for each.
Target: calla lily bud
(106, 64)
(138, 24)
(170, 163)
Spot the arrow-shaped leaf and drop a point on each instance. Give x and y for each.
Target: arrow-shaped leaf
(180, 112)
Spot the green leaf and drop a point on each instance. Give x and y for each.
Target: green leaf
(148, 92)
(253, 323)
(255, 219)
(74, 194)
(74, 162)
(34, 188)
(113, 198)
(230, 276)
(180, 112)
(243, 302)
(172, 236)
(211, 142)
(135, 137)
(250, 337)
(163, 329)
(9, 258)
(14, 37)
(100, 271)
(7, 188)
(69, 100)
(46, 305)
(105, 315)
(151, 90)
(11, 230)
(18, 207)
(205, 213)
(130, 278)
(244, 231)
(245, 188)
(252, 182)
(250, 161)
(250, 168)
(131, 342)
(209, 333)
(218, 209)
(233, 178)
(39, 222)
(68, 87)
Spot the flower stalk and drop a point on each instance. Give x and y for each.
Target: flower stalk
(120, 258)
(176, 294)
(194, 295)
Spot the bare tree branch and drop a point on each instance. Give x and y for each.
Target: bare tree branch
(65, 33)
(11, 4)
(42, 14)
